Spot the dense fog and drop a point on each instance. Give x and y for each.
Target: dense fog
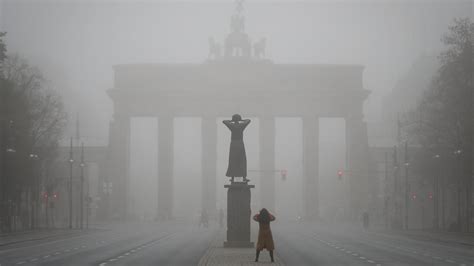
(77, 43)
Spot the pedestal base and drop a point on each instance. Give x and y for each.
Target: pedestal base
(238, 244)
(238, 215)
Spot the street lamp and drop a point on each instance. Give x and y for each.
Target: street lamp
(35, 201)
(71, 161)
(407, 164)
(456, 165)
(82, 184)
(436, 192)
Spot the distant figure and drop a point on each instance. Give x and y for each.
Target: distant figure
(204, 221)
(365, 220)
(221, 218)
(265, 238)
(237, 158)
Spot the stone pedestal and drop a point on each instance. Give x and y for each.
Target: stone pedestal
(238, 215)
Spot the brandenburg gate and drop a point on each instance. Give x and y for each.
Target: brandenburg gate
(238, 82)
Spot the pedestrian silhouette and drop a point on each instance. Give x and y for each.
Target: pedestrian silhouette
(265, 238)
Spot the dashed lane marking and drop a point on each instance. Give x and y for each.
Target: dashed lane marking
(34, 259)
(136, 249)
(450, 261)
(47, 256)
(20, 262)
(346, 251)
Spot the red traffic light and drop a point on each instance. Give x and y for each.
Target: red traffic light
(413, 196)
(340, 173)
(430, 195)
(55, 195)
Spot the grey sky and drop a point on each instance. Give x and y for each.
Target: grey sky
(75, 43)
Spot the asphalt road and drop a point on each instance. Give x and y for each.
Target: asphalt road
(302, 244)
(183, 244)
(131, 244)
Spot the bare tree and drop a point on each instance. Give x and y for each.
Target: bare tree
(35, 118)
(443, 119)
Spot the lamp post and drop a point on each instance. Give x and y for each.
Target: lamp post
(34, 206)
(82, 184)
(71, 161)
(436, 192)
(9, 152)
(457, 155)
(407, 164)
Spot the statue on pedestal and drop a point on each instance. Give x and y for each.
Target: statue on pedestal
(237, 157)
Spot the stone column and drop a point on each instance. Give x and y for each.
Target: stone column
(165, 167)
(208, 164)
(357, 151)
(267, 162)
(311, 167)
(117, 180)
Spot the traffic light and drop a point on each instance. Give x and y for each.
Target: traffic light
(45, 196)
(283, 174)
(340, 173)
(55, 195)
(413, 196)
(430, 195)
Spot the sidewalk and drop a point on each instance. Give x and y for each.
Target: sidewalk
(216, 254)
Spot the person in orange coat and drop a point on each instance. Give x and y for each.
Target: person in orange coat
(265, 238)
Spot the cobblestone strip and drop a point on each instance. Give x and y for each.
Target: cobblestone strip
(218, 255)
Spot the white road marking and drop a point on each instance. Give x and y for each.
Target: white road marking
(438, 258)
(47, 256)
(112, 259)
(76, 248)
(370, 261)
(20, 262)
(67, 250)
(103, 264)
(83, 246)
(35, 259)
(363, 258)
(126, 254)
(450, 261)
(120, 256)
(57, 253)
